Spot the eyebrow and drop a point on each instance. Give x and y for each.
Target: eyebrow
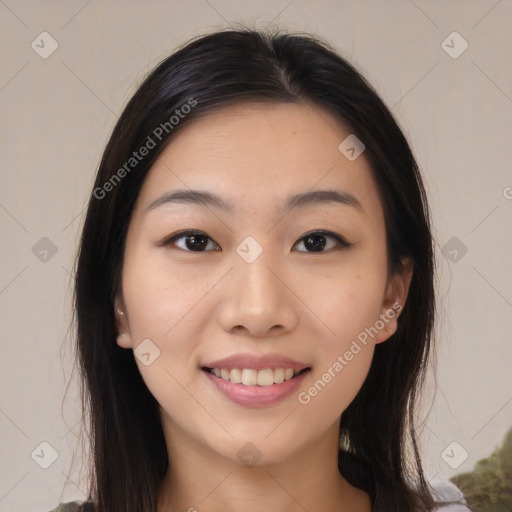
(209, 199)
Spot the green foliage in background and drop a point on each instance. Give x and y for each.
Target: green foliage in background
(488, 488)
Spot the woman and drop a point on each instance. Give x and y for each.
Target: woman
(254, 289)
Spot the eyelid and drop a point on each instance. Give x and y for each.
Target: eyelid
(343, 243)
(339, 238)
(179, 234)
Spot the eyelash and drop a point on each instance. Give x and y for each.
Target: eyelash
(342, 243)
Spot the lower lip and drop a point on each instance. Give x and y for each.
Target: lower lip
(256, 396)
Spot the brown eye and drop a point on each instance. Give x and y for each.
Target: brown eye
(192, 241)
(317, 241)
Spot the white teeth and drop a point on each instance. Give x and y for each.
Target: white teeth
(288, 373)
(235, 376)
(278, 375)
(250, 377)
(266, 377)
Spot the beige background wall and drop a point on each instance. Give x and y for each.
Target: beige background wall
(56, 116)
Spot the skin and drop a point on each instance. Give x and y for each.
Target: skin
(197, 307)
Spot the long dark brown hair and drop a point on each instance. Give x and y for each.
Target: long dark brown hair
(379, 451)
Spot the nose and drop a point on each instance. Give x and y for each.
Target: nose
(257, 300)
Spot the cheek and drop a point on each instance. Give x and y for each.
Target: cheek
(335, 384)
(160, 299)
(163, 307)
(348, 302)
(345, 355)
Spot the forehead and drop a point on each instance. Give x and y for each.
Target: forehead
(252, 152)
(278, 127)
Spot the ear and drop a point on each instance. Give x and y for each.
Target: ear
(123, 329)
(394, 300)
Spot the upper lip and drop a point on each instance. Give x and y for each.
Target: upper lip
(253, 362)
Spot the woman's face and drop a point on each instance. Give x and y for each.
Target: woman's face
(285, 270)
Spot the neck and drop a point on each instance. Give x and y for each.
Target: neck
(201, 479)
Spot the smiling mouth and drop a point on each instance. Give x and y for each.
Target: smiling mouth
(251, 377)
